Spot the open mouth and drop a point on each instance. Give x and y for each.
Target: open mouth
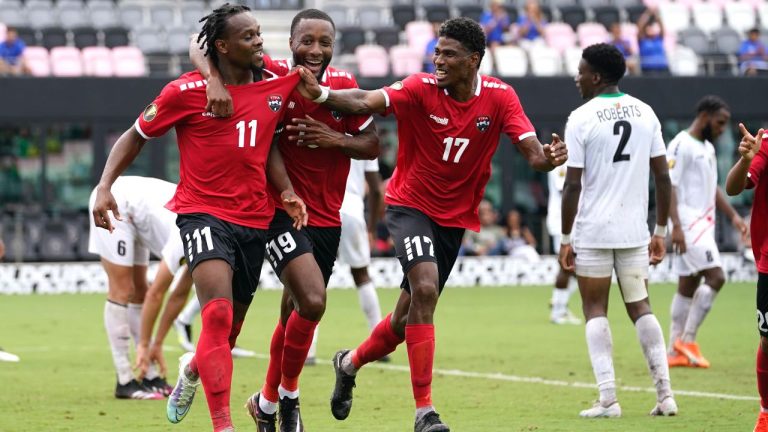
(314, 65)
(258, 56)
(440, 74)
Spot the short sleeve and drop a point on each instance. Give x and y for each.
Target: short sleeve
(677, 161)
(759, 163)
(354, 124)
(372, 165)
(162, 114)
(574, 142)
(404, 93)
(516, 124)
(277, 67)
(657, 145)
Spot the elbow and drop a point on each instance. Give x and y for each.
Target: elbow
(373, 150)
(731, 189)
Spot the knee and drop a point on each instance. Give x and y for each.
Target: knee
(716, 281)
(312, 305)
(637, 309)
(424, 294)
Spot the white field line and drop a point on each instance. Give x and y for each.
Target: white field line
(496, 376)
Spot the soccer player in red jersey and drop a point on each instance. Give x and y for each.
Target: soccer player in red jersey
(222, 201)
(448, 128)
(751, 171)
(318, 167)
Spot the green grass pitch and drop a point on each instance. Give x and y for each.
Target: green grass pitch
(501, 366)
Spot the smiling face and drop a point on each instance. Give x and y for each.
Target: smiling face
(241, 43)
(312, 45)
(454, 64)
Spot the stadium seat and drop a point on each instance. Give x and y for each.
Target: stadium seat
(559, 36)
(128, 61)
(591, 33)
(606, 15)
(163, 14)
(340, 14)
(707, 17)
(762, 12)
(85, 37)
(192, 12)
(675, 17)
(387, 36)
(405, 60)
(727, 41)
(178, 40)
(97, 61)
(16, 17)
(558, 4)
(41, 16)
(72, 15)
(511, 61)
(55, 244)
(594, 4)
(695, 39)
(371, 17)
(103, 14)
(402, 14)
(150, 40)
(688, 3)
(545, 61)
(685, 62)
(66, 62)
(572, 58)
(436, 12)
(471, 10)
(131, 14)
(115, 37)
(2, 31)
(53, 37)
(350, 38)
(38, 61)
(372, 61)
(418, 34)
(740, 16)
(573, 15)
(28, 35)
(486, 64)
(634, 11)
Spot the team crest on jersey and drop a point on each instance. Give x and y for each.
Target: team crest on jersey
(150, 112)
(336, 115)
(275, 102)
(483, 123)
(671, 163)
(397, 85)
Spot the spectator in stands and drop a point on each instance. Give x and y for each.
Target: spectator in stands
(486, 241)
(429, 67)
(650, 38)
(518, 241)
(11, 50)
(495, 21)
(753, 57)
(530, 25)
(625, 47)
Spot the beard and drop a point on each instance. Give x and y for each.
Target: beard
(707, 133)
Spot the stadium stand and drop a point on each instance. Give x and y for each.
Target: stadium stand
(28, 35)
(72, 15)
(349, 38)
(405, 60)
(559, 36)
(472, 10)
(707, 16)
(436, 12)
(103, 15)
(372, 61)
(573, 15)
(66, 62)
(53, 37)
(372, 17)
(591, 33)
(606, 15)
(128, 61)
(571, 59)
(685, 62)
(56, 243)
(97, 61)
(85, 37)
(115, 37)
(16, 17)
(418, 34)
(402, 14)
(510, 61)
(37, 61)
(545, 61)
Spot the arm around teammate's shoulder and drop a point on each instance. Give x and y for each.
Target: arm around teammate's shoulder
(352, 101)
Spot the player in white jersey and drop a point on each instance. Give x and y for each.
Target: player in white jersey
(146, 226)
(5, 355)
(695, 199)
(565, 282)
(613, 140)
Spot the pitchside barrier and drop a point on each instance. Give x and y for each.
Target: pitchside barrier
(60, 278)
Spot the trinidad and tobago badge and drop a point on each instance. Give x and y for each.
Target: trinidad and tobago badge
(275, 102)
(336, 115)
(483, 123)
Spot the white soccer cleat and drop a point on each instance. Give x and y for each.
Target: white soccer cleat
(566, 318)
(599, 411)
(8, 357)
(180, 400)
(242, 352)
(667, 407)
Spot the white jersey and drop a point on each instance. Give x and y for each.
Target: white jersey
(556, 181)
(141, 202)
(613, 138)
(693, 171)
(355, 194)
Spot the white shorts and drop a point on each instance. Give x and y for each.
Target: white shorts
(173, 251)
(631, 267)
(700, 256)
(354, 248)
(122, 246)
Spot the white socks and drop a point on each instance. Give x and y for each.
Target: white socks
(187, 315)
(266, 406)
(119, 335)
(282, 392)
(369, 303)
(312, 353)
(678, 315)
(700, 306)
(600, 346)
(652, 341)
(560, 298)
(134, 322)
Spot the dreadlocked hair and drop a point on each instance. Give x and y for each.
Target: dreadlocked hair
(213, 27)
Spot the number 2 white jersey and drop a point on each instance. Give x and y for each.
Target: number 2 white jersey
(613, 137)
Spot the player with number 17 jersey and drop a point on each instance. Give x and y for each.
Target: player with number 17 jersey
(222, 159)
(442, 169)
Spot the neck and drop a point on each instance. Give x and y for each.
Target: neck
(695, 129)
(464, 90)
(609, 89)
(234, 75)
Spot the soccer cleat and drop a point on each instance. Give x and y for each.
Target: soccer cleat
(430, 422)
(762, 423)
(264, 422)
(184, 333)
(241, 352)
(158, 385)
(678, 360)
(341, 399)
(667, 407)
(385, 359)
(310, 361)
(566, 318)
(8, 357)
(180, 400)
(691, 350)
(134, 390)
(290, 415)
(599, 411)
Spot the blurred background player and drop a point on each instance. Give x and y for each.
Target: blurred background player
(565, 282)
(612, 137)
(147, 226)
(448, 127)
(694, 204)
(5, 355)
(751, 172)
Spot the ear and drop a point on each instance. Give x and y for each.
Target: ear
(221, 46)
(475, 59)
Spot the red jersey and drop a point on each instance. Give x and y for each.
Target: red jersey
(319, 176)
(758, 179)
(446, 146)
(223, 160)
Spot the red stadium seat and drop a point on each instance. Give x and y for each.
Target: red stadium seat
(37, 60)
(66, 62)
(372, 61)
(591, 33)
(97, 61)
(128, 61)
(405, 60)
(559, 36)
(418, 34)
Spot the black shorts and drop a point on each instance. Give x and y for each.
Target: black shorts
(418, 239)
(762, 304)
(284, 243)
(208, 237)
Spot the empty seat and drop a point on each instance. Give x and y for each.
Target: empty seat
(192, 13)
(371, 17)
(37, 61)
(40, 16)
(128, 61)
(707, 16)
(634, 11)
(573, 15)
(572, 58)
(97, 61)
(178, 40)
(372, 61)
(340, 15)
(2, 31)
(486, 64)
(73, 15)
(740, 16)
(350, 37)
(28, 35)
(85, 37)
(162, 14)
(471, 10)
(115, 37)
(592, 4)
(150, 40)
(685, 62)
(66, 62)
(675, 17)
(727, 41)
(418, 34)
(695, 39)
(103, 14)
(436, 12)
(405, 60)
(131, 14)
(53, 37)
(402, 14)
(545, 61)
(386, 36)
(511, 61)
(13, 16)
(559, 36)
(592, 33)
(606, 15)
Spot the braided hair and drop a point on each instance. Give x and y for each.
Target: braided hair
(214, 25)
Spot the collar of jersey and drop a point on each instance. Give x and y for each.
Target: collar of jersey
(611, 95)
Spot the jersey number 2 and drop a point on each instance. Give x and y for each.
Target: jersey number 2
(450, 142)
(625, 128)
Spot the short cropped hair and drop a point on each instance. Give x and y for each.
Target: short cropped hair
(311, 14)
(711, 104)
(467, 31)
(606, 60)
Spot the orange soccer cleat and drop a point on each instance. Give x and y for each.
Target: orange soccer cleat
(762, 422)
(678, 360)
(691, 350)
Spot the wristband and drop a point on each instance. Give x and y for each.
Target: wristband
(565, 239)
(324, 93)
(660, 230)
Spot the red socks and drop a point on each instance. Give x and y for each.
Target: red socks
(420, 339)
(298, 338)
(382, 341)
(214, 361)
(762, 377)
(274, 374)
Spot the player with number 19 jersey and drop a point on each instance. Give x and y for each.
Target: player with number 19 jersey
(222, 169)
(442, 170)
(614, 136)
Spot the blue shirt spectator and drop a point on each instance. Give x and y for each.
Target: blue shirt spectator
(531, 25)
(752, 54)
(429, 67)
(650, 39)
(11, 48)
(495, 22)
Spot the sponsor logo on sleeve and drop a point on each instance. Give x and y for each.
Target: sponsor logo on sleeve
(671, 163)
(483, 123)
(275, 102)
(150, 112)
